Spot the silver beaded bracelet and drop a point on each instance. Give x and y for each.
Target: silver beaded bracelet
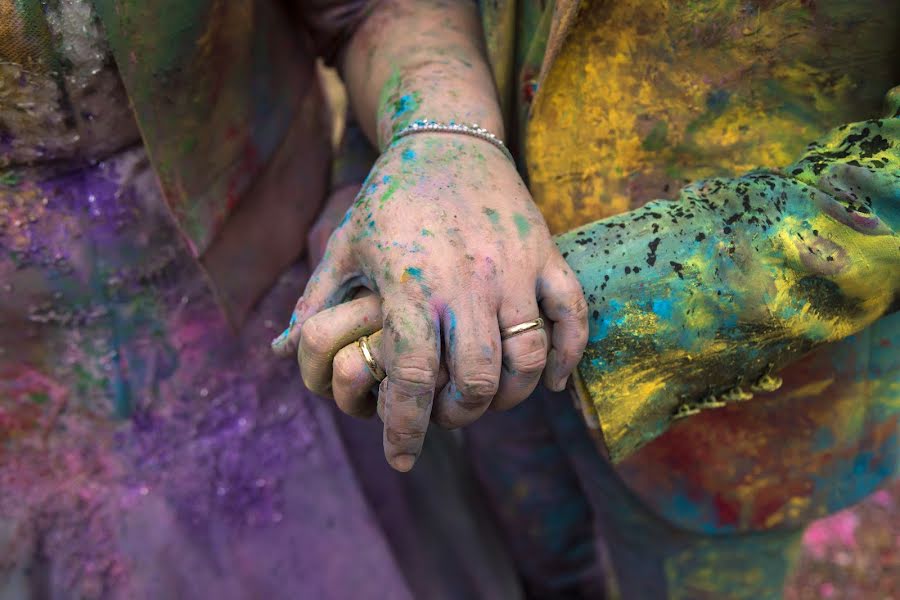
(474, 130)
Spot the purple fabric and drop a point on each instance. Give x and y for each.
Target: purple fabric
(147, 450)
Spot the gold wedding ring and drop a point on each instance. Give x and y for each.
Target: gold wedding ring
(374, 368)
(509, 332)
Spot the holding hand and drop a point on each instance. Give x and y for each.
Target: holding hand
(447, 235)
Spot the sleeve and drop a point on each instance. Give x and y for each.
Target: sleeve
(331, 23)
(701, 300)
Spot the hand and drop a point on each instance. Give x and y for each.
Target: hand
(446, 233)
(335, 361)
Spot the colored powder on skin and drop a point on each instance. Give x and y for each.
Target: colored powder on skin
(451, 331)
(346, 218)
(390, 88)
(408, 155)
(389, 192)
(492, 215)
(522, 225)
(411, 273)
(406, 104)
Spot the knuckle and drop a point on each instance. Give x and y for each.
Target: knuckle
(571, 357)
(477, 388)
(399, 437)
(344, 369)
(577, 308)
(530, 361)
(313, 338)
(414, 375)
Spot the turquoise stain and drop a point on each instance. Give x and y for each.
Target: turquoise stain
(346, 218)
(492, 215)
(405, 104)
(663, 308)
(414, 272)
(408, 155)
(522, 225)
(451, 331)
(599, 329)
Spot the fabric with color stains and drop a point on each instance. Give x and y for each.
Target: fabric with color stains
(759, 260)
(148, 448)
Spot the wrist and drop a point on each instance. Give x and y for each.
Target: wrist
(437, 98)
(473, 130)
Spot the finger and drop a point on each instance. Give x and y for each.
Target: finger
(412, 354)
(562, 300)
(472, 348)
(352, 380)
(524, 355)
(326, 287)
(326, 332)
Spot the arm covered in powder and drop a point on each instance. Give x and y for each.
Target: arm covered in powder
(443, 229)
(403, 60)
(703, 299)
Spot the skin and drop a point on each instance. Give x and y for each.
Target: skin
(445, 232)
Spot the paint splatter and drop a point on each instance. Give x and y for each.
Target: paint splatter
(492, 216)
(523, 226)
(407, 103)
(411, 273)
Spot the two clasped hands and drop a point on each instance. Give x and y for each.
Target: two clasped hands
(442, 286)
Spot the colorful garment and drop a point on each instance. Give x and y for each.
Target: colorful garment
(772, 276)
(149, 448)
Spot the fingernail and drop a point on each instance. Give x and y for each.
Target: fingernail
(404, 462)
(281, 338)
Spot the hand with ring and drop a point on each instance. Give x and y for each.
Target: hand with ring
(452, 269)
(378, 372)
(341, 356)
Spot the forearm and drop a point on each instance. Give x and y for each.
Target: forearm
(415, 59)
(740, 277)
